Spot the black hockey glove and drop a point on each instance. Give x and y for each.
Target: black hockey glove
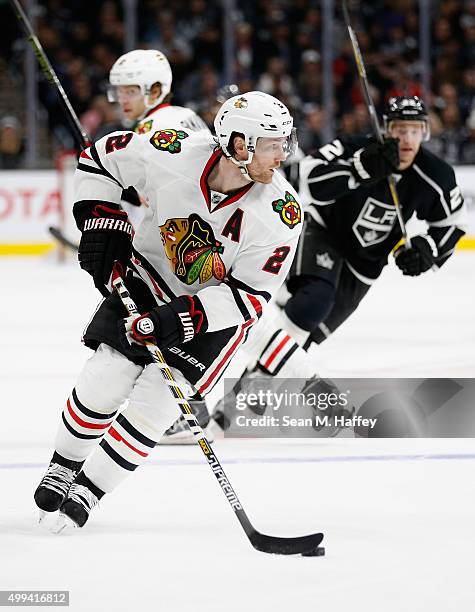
(376, 161)
(419, 258)
(106, 238)
(173, 323)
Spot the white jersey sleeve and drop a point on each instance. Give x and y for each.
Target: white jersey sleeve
(108, 167)
(257, 274)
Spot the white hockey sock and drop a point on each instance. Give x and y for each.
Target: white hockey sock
(136, 431)
(81, 429)
(121, 451)
(298, 334)
(103, 385)
(284, 358)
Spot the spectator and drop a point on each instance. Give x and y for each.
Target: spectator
(467, 147)
(277, 48)
(310, 132)
(275, 81)
(11, 144)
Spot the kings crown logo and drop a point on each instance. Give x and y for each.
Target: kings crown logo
(192, 249)
(168, 140)
(289, 210)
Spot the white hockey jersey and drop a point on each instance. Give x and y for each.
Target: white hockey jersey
(163, 115)
(234, 251)
(158, 117)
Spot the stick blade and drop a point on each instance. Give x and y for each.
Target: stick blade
(285, 546)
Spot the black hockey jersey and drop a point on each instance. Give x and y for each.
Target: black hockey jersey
(360, 215)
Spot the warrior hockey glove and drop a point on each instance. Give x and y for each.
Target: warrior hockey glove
(173, 323)
(419, 258)
(376, 161)
(106, 238)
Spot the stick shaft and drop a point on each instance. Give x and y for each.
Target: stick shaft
(80, 133)
(187, 412)
(260, 541)
(373, 116)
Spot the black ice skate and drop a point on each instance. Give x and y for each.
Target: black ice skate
(180, 433)
(332, 420)
(55, 484)
(82, 497)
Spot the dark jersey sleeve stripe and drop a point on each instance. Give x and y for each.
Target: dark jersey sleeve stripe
(445, 245)
(91, 169)
(153, 273)
(231, 280)
(97, 159)
(240, 303)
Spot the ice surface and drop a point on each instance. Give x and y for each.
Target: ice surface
(397, 514)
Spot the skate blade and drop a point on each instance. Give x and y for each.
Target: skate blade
(64, 523)
(46, 519)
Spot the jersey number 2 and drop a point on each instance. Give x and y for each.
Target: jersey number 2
(275, 261)
(114, 143)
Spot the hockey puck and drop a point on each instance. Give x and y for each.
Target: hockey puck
(316, 552)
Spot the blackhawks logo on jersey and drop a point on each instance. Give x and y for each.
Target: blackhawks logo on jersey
(289, 210)
(144, 127)
(168, 140)
(192, 249)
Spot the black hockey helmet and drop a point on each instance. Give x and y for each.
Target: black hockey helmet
(407, 108)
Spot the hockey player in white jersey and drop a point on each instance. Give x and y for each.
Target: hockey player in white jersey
(216, 243)
(140, 82)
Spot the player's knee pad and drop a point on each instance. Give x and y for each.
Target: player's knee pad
(152, 409)
(310, 303)
(106, 380)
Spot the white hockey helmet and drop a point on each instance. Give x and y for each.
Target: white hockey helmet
(142, 67)
(255, 115)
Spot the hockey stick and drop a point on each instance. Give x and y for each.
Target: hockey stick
(80, 134)
(306, 545)
(373, 116)
(61, 238)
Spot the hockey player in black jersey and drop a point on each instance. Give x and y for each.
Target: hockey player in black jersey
(351, 222)
(351, 228)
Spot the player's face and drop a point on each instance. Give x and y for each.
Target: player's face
(131, 101)
(269, 154)
(410, 135)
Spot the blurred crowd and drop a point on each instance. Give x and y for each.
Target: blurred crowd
(278, 50)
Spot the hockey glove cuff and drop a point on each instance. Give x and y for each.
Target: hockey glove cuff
(376, 161)
(419, 258)
(173, 323)
(106, 238)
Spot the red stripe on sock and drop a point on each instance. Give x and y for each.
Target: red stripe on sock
(276, 350)
(116, 435)
(79, 421)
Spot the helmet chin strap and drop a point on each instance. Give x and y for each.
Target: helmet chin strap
(149, 105)
(243, 168)
(242, 165)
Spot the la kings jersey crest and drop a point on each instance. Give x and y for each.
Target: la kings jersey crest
(374, 222)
